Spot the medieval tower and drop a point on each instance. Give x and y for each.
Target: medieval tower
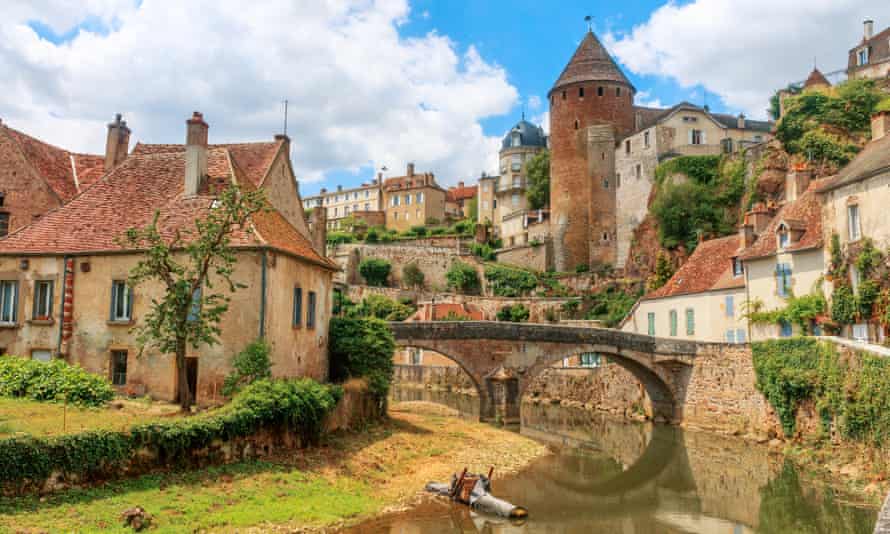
(591, 105)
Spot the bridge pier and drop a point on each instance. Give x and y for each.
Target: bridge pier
(500, 400)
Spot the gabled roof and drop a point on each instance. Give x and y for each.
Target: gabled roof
(253, 158)
(458, 193)
(591, 63)
(802, 215)
(873, 160)
(147, 182)
(708, 269)
(879, 50)
(66, 173)
(651, 116)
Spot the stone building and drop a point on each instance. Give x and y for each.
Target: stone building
(362, 203)
(36, 177)
(412, 200)
(591, 106)
(871, 57)
(854, 206)
(703, 301)
(63, 278)
(458, 200)
(662, 134)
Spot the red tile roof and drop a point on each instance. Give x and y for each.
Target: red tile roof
(442, 310)
(709, 268)
(57, 166)
(253, 158)
(802, 215)
(458, 193)
(147, 182)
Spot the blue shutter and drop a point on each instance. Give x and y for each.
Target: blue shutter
(113, 300)
(129, 302)
(730, 305)
(298, 306)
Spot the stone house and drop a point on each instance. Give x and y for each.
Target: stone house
(364, 202)
(683, 130)
(702, 301)
(36, 177)
(458, 200)
(871, 57)
(412, 200)
(855, 202)
(63, 278)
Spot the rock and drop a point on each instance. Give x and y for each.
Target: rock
(136, 518)
(851, 470)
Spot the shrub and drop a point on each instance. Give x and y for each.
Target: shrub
(582, 268)
(372, 236)
(510, 282)
(299, 405)
(463, 278)
(362, 347)
(843, 305)
(375, 271)
(465, 227)
(419, 231)
(382, 307)
(612, 304)
(250, 365)
(412, 276)
(54, 381)
(786, 374)
(337, 238)
(517, 313)
(484, 251)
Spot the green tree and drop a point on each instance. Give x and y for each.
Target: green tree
(517, 313)
(412, 276)
(473, 208)
(375, 271)
(463, 278)
(188, 266)
(538, 172)
(362, 347)
(251, 364)
(663, 272)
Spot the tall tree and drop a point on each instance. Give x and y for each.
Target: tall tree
(188, 266)
(538, 172)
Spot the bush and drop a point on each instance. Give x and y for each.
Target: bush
(465, 227)
(582, 268)
(250, 365)
(362, 347)
(336, 238)
(381, 307)
(462, 277)
(843, 305)
(517, 313)
(373, 236)
(54, 381)
(375, 271)
(412, 276)
(510, 282)
(418, 231)
(612, 304)
(299, 405)
(484, 251)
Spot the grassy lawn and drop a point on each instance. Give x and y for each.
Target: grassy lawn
(352, 476)
(22, 416)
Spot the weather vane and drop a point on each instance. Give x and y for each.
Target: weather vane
(589, 21)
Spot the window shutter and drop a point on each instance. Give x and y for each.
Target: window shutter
(34, 300)
(15, 301)
(129, 302)
(690, 136)
(704, 138)
(113, 300)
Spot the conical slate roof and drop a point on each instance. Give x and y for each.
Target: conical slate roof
(591, 63)
(816, 79)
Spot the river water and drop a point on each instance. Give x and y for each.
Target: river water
(614, 476)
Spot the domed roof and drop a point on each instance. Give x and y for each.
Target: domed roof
(529, 135)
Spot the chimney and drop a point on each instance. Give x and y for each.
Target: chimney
(797, 182)
(758, 218)
(741, 121)
(195, 153)
(868, 30)
(117, 143)
(460, 184)
(410, 169)
(880, 124)
(286, 141)
(318, 228)
(379, 178)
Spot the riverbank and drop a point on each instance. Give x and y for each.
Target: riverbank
(352, 476)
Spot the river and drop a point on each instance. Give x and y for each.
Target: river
(615, 476)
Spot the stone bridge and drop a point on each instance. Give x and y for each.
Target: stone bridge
(502, 358)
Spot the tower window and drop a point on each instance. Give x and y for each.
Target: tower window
(605, 183)
(581, 92)
(563, 95)
(627, 147)
(617, 91)
(577, 124)
(599, 91)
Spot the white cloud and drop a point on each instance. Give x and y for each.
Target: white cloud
(360, 94)
(543, 120)
(644, 98)
(534, 102)
(744, 51)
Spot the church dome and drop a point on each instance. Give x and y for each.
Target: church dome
(524, 134)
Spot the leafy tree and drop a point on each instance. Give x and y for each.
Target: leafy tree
(538, 172)
(362, 347)
(188, 266)
(663, 272)
(382, 307)
(463, 278)
(473, 208)
(517, 313)
(250, 365)
(375, 271)
(336, 238)
(412, 276)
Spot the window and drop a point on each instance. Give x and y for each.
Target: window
(4, 224)
(119, 367)
(738, 268)
(855, 279)
(516, 139)
(617, 91)
(415, 356)
(310, 312)
(394, 200)
(367, 194)
(346, 210)
(355, 207)
(740, 336)
(485, 188)
(563, 95)
(627, 147)
(408, 199)
(638, 171)
(646, 139)
(395, 216)
(617, 180)
(853, 222)
(417, 214)
(581, 92)
(591, 359)
(514, 199)
(690, 322)
(407, 215)
(42, 355)
(696, 137)
(785, 329)
(651, 318)
(730, 336)
(43, 300)
(862, 56)
(517, 182)
(297, 318)
(783, 279)
(577, 124)
(494, 203)
(605, 183)
(420, 197)
(335, 212)
(485, 204)
(367, 206)
(599, 91)
(121, 301)
(729, 304)
(860, 332)
(195, 312)
(673, 322)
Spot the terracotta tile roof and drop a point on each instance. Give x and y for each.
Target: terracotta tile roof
(709, 268)
(458, 193)
(803, 215)
(402, 183)
(441, 310)
(129, 196)
(879, 50)
(57, 165)
(591, 62)
(816, 78)
(874, 159)
(253, 158)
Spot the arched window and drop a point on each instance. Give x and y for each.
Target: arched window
(581, 92)
(577, 124)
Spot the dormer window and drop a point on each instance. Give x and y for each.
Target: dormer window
(738, 269)
(516, 139)
(784, 236)
(862, 56)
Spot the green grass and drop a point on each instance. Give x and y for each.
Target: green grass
(40, 419)
(222, 498)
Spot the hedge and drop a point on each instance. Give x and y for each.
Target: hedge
(54, 381)
(298, 405)
(362, 348)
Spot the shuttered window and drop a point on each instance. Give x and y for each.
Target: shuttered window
(690, 322)
(9, 301)
(298, 306)
(730, 306)
(651, 318)
(673, 319)
(310, 312)
(783, 279)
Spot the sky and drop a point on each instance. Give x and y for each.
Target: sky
(380, 83)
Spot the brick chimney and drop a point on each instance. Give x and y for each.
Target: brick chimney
(318, 228)
(868, 29)
(117, 143)
(410, 169)
(797, 181)
(746, 235)
(195, 153)
(758, 218)
(741, 121)
(880, 124)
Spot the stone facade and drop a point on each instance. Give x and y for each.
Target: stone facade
(364, 202)
(537, 257)
(412, 200)
(608, 388)
(433, 261)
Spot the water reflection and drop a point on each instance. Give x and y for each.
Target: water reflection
(616, 476)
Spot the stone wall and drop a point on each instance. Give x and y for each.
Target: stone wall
(442, 377)
(609, 388)
(433, 261)
(536, 257)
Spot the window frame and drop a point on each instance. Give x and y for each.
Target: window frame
(690, 321)
(46, 300)
(650, 318)
(113, 367)
(13, 302)
(297, 311)
(311, 304)
(5, 219)
(113, 317)
(672, 323)
(729, 305)
(854, 222)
